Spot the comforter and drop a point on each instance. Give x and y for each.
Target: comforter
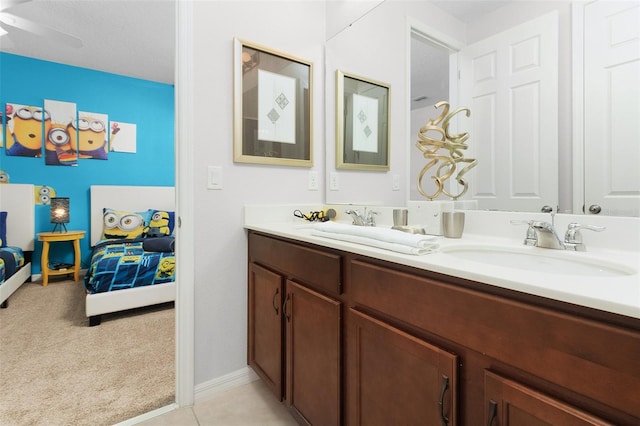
(11, 259)
(122, 264)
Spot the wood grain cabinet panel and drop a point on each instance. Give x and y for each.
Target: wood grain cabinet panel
(509, 403)
(312, 355)
(265, 326)
(395, 378)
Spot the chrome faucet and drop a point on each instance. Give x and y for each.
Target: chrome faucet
(543, 234)
(366, 219)
(546, 236)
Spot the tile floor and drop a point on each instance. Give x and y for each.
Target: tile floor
(246, 405)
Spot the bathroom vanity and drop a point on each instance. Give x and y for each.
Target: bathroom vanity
(351, 335)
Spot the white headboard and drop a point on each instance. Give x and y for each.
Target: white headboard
(127, 198)
(18, 200)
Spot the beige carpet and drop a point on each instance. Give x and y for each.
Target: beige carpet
(55, 370)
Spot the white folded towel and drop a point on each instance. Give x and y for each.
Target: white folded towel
(388, 239)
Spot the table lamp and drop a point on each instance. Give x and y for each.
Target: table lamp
(60, 212)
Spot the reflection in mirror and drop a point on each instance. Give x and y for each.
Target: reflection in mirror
(429, 85)
(362, 123)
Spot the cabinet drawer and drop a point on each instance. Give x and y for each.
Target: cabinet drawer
(567, 350)
(316, 268)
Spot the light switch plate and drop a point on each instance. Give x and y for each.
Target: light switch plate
(214, 177)
(313, 180)
(334, 182)
(396, 183)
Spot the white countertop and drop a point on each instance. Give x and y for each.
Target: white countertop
(617, 294)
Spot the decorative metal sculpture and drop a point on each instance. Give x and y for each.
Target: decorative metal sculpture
(453, 145)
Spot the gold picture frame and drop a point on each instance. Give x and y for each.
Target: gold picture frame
(273, 107)
(362, 123)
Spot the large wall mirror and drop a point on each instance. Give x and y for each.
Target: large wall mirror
(558, 141)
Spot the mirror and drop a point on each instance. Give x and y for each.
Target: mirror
(572, 137)
(362, 123)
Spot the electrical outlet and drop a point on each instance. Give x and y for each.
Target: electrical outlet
(396, 183)
(313, 180)
(214, 177)
(334, 182)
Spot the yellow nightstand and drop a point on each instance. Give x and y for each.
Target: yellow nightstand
(55, 237)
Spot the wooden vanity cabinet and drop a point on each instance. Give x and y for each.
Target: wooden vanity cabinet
(294, 326)
(418, 347)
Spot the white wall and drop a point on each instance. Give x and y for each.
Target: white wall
(297, 28)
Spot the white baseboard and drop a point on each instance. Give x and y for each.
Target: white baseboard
(228, 381)
(150, 415)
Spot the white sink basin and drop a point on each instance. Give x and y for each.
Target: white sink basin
(539, 260)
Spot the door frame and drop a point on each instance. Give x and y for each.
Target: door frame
(185, 184)
(432, 35)
(577, 99)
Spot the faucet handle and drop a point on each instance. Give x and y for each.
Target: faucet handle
(531, 239)
(371, 217)
(573, 235)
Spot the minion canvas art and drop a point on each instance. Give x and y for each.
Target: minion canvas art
(25, 129)
(89, 136)
(58, 150)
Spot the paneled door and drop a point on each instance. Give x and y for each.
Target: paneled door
(612, 108)
(510, 83)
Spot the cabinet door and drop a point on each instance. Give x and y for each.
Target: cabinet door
(312, 355)
(394, 378)
(265, 326)
(509, 403)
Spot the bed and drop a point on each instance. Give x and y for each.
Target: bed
(116, 279)
(17, 230)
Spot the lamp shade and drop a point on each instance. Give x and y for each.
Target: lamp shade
(60, 210)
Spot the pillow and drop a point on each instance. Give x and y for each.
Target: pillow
(120, 224)
(159, 244)
(3, 229)
(161, 223)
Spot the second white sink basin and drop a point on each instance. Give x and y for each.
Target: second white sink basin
(539, 260)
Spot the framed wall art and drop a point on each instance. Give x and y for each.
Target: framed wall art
(273, 116)
(362, 123)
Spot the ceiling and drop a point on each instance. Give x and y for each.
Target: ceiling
(135, 38)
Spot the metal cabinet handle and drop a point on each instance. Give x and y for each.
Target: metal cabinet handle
(445, 386)
(273, 301)
(284, 308)
(493, 411)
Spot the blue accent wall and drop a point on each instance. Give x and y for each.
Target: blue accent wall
(149, 105)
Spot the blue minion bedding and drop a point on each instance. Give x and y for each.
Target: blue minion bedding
(11, 259)
(128, 263)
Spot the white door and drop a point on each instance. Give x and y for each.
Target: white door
(612, 108)
(510, 83)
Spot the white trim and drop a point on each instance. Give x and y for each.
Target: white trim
(185, 184)
(147, 416)
(577, 54)
(228, 381)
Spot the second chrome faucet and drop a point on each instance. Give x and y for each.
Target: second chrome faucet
(543, 234)
(368, 218)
